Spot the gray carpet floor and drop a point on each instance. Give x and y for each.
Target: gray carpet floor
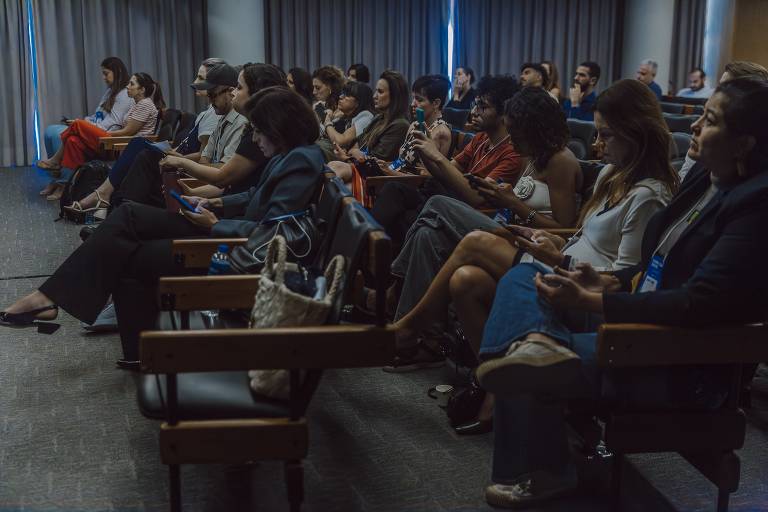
(71, 436)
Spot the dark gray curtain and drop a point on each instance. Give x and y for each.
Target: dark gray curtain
(407, 35)
(17, 141)
(164, 39)
(688, 42)
(497, 36)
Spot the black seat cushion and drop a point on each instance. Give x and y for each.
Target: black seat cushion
(210, 395)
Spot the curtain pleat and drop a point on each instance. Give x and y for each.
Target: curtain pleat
(406, 35)
(497, 36)
(164, 39)
(17, 141)
(688, 42)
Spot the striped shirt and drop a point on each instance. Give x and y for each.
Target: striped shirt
(145, 113)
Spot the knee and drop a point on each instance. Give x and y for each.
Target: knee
(470, 282)
(475, 241)
(342, 169)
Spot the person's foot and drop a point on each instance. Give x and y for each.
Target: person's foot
(530, 490)
(56, 194)
(49, 189)
(31, 308)
(415, 356)
(49, 165)
(537, 366)
(88, 201)
(105, 322)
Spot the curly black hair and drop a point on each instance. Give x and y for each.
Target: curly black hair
(496, 89)
(536, 122)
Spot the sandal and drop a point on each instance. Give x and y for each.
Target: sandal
(46, 166)
(416, 357)
(78, 208)
(27, 317)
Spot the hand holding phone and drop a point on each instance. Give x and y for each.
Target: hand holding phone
(183, 202)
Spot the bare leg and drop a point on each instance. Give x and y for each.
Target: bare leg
(34, 300)
(103, 192)
(489, 252)
(472, 292)
(342, 169)
(54, 162)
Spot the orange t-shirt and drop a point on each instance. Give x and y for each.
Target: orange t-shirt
(503, 162)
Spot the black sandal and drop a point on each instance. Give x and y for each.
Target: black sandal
(26, 318)
(416, 357)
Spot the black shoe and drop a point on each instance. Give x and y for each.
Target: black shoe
(87, 231)
(125, 364)
(464, 406)
(25, 318)
(474, 428)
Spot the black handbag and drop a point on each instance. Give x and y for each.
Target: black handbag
(299, 230)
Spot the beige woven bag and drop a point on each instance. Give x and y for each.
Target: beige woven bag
(275, 305)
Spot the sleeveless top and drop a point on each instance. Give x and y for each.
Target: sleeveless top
(535, 193)
(407, 155)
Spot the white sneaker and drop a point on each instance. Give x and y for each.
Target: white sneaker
(105, 322)
(531, 367)
(530, 490)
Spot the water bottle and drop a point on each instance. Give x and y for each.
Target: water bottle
(219, 267)
(90, 219)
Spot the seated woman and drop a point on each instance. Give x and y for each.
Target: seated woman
(80, 142)
(355, 110)
(358, 73)
(327, 82)
(110, 115)
(300, 81)
(553, 83)
(135, 240)
(189, 148)
(463, 92)
(699, 268)
(637, 182)
(383, 137)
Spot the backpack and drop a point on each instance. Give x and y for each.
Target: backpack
(83, 181)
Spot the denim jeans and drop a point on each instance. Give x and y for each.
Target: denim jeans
(530, 433)
(138, 144)
(52, 138)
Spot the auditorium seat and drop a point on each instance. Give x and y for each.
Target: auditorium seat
(582, 137)
(455, 117)
(672, 108)
(680, 123)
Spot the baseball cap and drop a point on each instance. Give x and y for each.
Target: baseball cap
(221, 74)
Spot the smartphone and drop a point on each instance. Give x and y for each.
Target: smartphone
(471, 178)
(64, 119)
(420, 120)
(183, 202)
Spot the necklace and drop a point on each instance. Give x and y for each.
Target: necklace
(490, 150)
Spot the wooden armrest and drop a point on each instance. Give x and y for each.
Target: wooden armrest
(376, 182)
(197, 253)
(109, 142)
(233, 441)
(331, 346)
(625, 345)
(207, 292)
(193, 182)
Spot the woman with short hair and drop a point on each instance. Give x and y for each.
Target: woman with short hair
(355, 111)
(135, 240)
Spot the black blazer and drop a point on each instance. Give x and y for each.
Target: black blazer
(716, 271)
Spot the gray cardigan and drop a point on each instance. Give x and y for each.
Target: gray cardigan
(288, 184)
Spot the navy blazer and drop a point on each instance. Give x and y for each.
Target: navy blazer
(715, 273)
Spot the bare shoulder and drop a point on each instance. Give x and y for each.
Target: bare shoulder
(564, 161)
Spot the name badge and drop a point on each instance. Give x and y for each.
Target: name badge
(653, 274)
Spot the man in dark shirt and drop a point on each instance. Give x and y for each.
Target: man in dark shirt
(646, 73)
(582, 96)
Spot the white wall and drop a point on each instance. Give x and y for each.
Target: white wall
(648, 28)
(236, 30)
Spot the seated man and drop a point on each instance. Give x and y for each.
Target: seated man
(700, 266)
(533, 74)
(646, 73)
(697, 87)
(488, 155)
(582, 96)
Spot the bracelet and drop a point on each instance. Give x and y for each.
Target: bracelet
(529, 219)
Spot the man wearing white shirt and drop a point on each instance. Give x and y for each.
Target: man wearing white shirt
(697, 85)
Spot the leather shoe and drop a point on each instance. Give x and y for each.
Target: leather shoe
(474, 428)
(125, 364)
(86, 232)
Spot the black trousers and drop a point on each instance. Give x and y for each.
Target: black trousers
(124, 257)
(143, 182)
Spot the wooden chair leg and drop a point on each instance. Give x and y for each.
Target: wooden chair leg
(174, 474)
(616, 473)
(723, 497)
(294, 483)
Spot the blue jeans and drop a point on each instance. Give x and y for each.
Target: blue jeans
(530, 434)
(123, 164)
(52, 138)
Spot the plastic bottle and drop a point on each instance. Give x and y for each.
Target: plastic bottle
(220, 262)
(219, 267)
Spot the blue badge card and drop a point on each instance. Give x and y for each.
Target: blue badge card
(653, 274)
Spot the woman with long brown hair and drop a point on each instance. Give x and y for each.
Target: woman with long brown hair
(637, 182)
(553, 79)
